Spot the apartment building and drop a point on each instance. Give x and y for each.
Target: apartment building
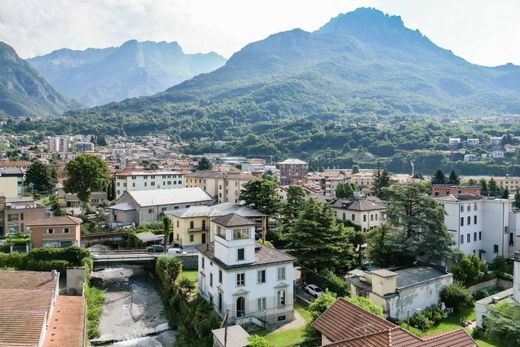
(222, 185)
(483, 226)
(512, 183)
(55, 232)
(292, 171)
(326, 181)
(11, 182)
(447, 189)
(58, 144)
(364, 212)
(16, 213)
(134, 180)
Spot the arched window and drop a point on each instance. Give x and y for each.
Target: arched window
(281, 297)
(241, 306)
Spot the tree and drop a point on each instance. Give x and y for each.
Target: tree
(318, 241)
(456, 296)
(483, 187)
(42, 178)
(345, 190)
(439, 177)
(204, 164)
(505, 194)
(516, 202)
(292, 207)
(492, 187)
(453, 178)
(86, 174)
(366, 304)
(167, 226)
(321, 304)
(469, 270)
(257, 341)
(355, 169)
(382, 180)
(503, 323)
(262, 195)
(358, 239)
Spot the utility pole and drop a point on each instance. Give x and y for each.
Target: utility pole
(224, 324)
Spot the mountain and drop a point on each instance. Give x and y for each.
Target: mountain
(99, 76)
(23, 92)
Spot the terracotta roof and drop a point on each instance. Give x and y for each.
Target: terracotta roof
(263, 255)
(21, 328)
(27, 280)
(21, 299)
(59, 220)
(347, 325)
(232, 220)
(67, 324)
(221, 174)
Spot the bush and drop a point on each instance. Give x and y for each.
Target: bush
(470, 270)
(427, 318)
(257, 341)
(456, 296)
(47, 265)
(366, 304)
(73, 255)
(13, 260)
(95, 299)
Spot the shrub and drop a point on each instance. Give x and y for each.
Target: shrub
(470, 270)
(257, 341)
(95, 298)
(13, 260)
(73, 255)
(47, 265)
(456, 296)
(427, 318)
(366, 304)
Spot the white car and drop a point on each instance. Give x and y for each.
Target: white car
(313, 290)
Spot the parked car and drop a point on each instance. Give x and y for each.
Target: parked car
(176, 250)
(313, 290)
(155, 248)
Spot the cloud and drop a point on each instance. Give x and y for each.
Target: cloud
(479, 30)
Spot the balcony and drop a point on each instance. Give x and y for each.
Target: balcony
(195, 230)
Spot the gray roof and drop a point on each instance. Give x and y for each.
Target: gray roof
(122, 206)
(415, 274)
(169, 196)
(149, 237)
(365, 204)
(11, 171)
(459, 197)
(232, 220)
(236, 336)
(263, 256)
(215, 211)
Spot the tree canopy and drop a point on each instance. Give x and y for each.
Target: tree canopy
(86, 174)
(204, 164)
(439, 177)
(42, 178)
(262, 195)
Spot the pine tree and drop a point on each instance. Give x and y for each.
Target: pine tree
(492, 187)
(453, 178)
(292, 207)
(483, 187)
(439, 178)
(505, 194)
(382, 180)
(318, 241)
(355, 169)
(204, 164)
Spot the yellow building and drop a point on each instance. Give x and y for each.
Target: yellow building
(191, 226)
(11, 182)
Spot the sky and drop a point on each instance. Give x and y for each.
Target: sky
(485, 32)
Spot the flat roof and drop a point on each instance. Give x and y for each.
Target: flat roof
(236, 336)
(415, 274)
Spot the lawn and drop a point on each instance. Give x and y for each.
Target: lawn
(286, 338)
(192, 275)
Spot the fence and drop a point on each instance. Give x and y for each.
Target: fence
(504, 284)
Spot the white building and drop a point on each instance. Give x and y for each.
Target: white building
(252, 282)
(58, 144)
(132, 180)
(365, 212)
(453, 141)
(482, 226)
(497, 154)
(473, 142)
(470, 157)
(495, 141)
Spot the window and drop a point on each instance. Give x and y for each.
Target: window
(371, 217)
(344, 216)
(364, 218)
(192, 224)
(281, 273)
(239, 234)
(261, 303)
(461, 221)
(261, 276)
(495, 248)
(177, 224)
(475, 220)
(153, 183)
(50, 231)
(461, 208)
(474, 206)
(475, 236)
(461, 239)
(133, 184)
(221, 232)
(281, 318)
(202, 262)
(281, 297)
(150, 210)
(211, 280)
(241, 279)
(353, 217)
(219, 276)
(469, 207)
(468, 238)
(511, 239)
(192, 238)
(469, 220)
(66, 230)
(145, 184)
(240, 254)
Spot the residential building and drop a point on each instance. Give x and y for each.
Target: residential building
(447, 189)
(326, 181)
(453, 142)
(364, 179)
(58, 144)
(347, 325)
(11, 182)
(512, 183)
(55, 232)
(497, 154)
(133, 180)
(223, 185)
(470, 157)
(146, 206)
(362, 211)
(15, 213)
(472, 142)
(70, 200)
(251, 282)
(34, 314)
(191, 226)
(84, 146)
(400, 292)
(480, 225)
(496, 141)
(292, 171)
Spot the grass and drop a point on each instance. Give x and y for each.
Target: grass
(95, 299)
(192, 275)
(450, 323)
(286, 338)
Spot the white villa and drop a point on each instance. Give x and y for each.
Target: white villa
(251, 282)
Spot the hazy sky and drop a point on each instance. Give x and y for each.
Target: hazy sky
(482, 31)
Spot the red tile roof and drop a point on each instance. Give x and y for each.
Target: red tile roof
(27, 280)
(61, 220)
(21, 328)
(67, 324)
(347, 325)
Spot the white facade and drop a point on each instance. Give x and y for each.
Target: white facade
(453, 141)
(236, 278)
(497, 154)
(481, 226)
(473, 142)
(58, 144)
(147, 180)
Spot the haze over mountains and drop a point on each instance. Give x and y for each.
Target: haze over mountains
(99, 76)
(23, 92)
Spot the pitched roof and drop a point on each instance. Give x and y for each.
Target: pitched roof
(221, 174)
(20, 299)
(27, 280)
(21, 328)
(263, 256)
(364, 204)
(67, 325)
(232, 220)
(347, 325)
(168, 196)
(215, 211)
(292, 162)
(57, 220)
